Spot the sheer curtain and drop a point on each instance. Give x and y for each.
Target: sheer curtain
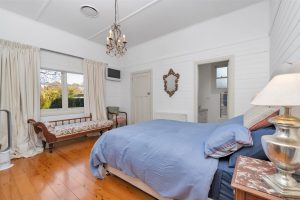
(19, 90)
(94, 89)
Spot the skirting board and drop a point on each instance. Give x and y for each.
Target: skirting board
(135, 182)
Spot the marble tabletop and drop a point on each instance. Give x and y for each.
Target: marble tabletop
(249, 173)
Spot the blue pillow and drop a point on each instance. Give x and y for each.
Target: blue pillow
(226, 139)
(235, 120)
(255, 151)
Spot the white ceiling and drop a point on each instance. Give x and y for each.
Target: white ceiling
(141, 20)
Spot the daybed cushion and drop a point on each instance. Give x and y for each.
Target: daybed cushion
(226, 139)
(68, 129)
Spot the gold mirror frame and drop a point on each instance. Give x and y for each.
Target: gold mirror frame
(171, 72)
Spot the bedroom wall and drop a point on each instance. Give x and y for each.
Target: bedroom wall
(20, 29)
(240, 35)
(284, 36)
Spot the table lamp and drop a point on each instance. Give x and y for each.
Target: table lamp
(283, 147)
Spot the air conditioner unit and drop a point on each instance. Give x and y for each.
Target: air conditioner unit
(113, 74)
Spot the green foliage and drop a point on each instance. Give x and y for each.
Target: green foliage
(51, 96)
(50, 93)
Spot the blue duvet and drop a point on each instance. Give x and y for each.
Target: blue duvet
(166, 155)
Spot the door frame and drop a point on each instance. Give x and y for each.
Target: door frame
(131, 93)
(231, 83)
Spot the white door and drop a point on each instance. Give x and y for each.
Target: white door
(141, 96)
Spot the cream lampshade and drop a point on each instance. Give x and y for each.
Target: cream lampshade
(283, 148)
(282, 90)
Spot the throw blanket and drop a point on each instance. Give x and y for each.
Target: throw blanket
(166, 155)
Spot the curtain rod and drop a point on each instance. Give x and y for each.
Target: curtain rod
(64, 54)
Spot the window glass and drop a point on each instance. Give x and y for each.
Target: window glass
(51, 89)
(221, 83)
(75, 90)
(221, 72)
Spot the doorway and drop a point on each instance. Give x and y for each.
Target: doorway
(212, 86)
(141, 96)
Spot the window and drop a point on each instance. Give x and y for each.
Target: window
(61, 92)
(75, 90)
(51, 89)
(221, 77)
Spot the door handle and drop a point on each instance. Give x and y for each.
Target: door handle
(148, 93)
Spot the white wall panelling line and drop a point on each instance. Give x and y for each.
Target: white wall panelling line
(195, 52)
(42, 9)
(289, 45)
(284, 27)
(285, 36)
(280, 14)
(275, 17)
(148, 5)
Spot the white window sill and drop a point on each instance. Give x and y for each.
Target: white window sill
(58, 112)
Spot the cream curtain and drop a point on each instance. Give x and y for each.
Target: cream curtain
(19, 90)
(94, 89)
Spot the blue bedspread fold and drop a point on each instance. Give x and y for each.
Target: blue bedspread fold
(166, 155)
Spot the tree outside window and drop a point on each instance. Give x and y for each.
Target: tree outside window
(61, 90)
(51, 89)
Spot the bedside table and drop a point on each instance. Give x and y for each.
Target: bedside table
(247, 181)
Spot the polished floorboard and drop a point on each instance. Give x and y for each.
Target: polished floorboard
(64, 174)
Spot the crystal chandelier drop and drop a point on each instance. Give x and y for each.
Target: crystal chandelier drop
(116, 41)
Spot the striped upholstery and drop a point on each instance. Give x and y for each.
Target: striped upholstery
(119, 120)
(258, 117)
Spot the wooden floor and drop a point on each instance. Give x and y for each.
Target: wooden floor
(64, 174)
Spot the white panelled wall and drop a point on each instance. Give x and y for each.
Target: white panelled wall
(284, 36)
(241, 35)
(24, 30)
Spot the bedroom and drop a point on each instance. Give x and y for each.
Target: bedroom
(51, 47)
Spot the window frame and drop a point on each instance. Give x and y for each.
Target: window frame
(65, 110)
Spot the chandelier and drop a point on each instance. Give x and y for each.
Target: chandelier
(115, 41)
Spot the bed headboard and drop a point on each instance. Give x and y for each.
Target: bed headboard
(171, 116)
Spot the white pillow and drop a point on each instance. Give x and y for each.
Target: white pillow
(258, 117)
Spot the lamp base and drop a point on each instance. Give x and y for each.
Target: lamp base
(272, 181)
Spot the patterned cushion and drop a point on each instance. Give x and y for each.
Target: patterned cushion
(49, 126)
(258, 117)
(120, 119)
(74, 128)
(226, 139)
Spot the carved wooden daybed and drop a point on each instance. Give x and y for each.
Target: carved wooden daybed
(65, 129)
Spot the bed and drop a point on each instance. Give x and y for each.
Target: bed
(164, 158)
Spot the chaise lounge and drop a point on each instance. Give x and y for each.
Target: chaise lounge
(60, 130)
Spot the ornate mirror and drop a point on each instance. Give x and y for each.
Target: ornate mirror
(171, 82)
